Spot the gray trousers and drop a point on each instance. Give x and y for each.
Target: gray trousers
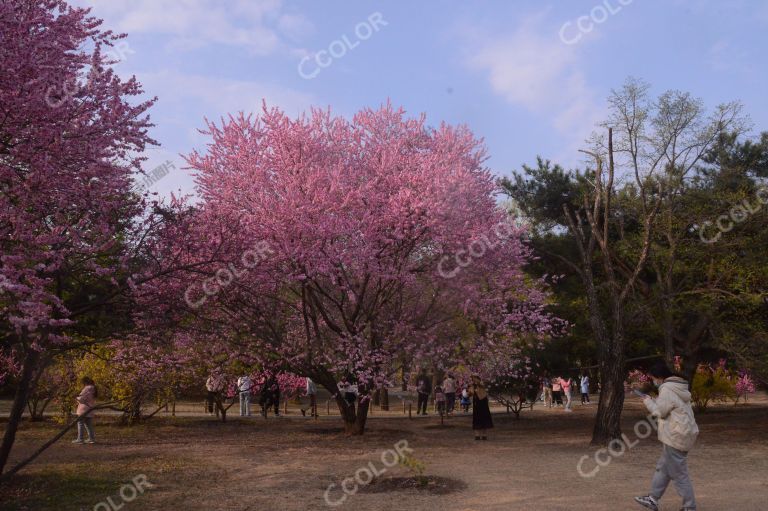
(245, 404)
(673, 466)
(85, 424)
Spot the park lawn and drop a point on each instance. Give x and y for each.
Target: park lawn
(80, 476)
(78, 485)
(195, 463)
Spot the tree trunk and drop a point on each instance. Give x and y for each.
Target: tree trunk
(611, 362)
(133, 414)
(405, 369)
(354, 419)
(361, 417)
(385, 399)
(611, 359)
(221, 410)
(19, 402)
(608, 420)
(669, 332)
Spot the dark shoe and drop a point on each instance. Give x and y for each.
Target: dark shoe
(484, 438)
(648, 502)
(477, 438)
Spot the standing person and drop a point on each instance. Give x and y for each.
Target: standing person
(449, 387)
(567, 384)
(275, 393)
(557, 390)
(270, 396)
(440, 400)
(481, 411)
(465, 401)
(584, 383)
(312, 393)
(423, 390)
(212, 387)
(678, 431)
(546, 385)
(86, 400)
(244, 385)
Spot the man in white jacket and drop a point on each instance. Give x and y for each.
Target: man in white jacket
(677, 431)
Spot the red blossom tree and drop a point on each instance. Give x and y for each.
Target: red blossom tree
(70, 133)
(329, 239)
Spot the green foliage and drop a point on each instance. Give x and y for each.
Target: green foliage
(702, 300)
(712, 386)
(416, 466)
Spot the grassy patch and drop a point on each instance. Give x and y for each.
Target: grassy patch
(80, 486)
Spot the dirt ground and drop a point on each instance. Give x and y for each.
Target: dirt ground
(195, 463)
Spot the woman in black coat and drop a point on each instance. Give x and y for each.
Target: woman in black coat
(481, 411)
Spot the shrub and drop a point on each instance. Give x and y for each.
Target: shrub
(417, 467)
(744, 385)
(712, 385)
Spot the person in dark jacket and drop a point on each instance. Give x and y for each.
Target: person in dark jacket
(270, 396)
(481, 411)
(423, 390)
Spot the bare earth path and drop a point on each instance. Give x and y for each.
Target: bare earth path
(288, 464)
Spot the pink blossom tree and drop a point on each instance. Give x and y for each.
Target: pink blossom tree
(324, 241)
(70, 134)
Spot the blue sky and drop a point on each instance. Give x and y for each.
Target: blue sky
(530, 77)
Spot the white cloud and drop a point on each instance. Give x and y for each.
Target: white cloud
(532, 68)
(214, 97)
(256, 25)
(525, 68)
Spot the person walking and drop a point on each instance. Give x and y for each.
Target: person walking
(449, 387)
(312, 393)
(546, 386)
(584, 384)
(86, 400)
(677, 431)
(557, 391)
(423, 390)
(481, 411)
(567, 384)
(244, 385)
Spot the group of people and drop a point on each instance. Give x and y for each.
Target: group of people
(475, 395)
(558, 389)
(269, 395)
(677, 429)
(445, 395)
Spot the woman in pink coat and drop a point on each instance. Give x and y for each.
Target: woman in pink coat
(86, 400)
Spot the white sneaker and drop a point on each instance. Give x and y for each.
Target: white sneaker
(648, 502)
(90, 441)
(77, 441)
